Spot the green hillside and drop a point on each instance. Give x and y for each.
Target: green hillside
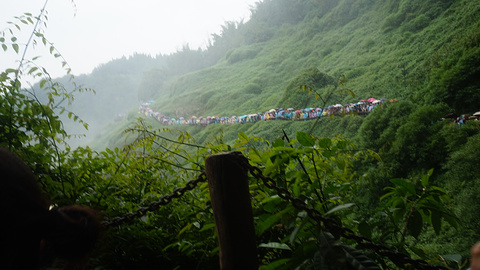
(435, 43)
(406, 175)
(424, 53)
(421, 51)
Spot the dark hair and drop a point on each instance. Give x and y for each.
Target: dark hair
(33, 233)
(72, 231)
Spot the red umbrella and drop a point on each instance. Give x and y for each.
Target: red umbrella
(363, 100)
(371, 99)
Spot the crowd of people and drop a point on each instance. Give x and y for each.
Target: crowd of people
(464, 118)
(361, 107)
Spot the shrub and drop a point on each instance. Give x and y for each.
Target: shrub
(238, 55)
(252, 88)
(314, 79)
(418, 23)
(392, 21)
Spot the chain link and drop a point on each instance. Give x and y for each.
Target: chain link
(333, 227)
(176, 193)
(327, 223)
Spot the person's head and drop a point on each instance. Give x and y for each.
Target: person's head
(70, 233)
(475, 257)
(32, 232)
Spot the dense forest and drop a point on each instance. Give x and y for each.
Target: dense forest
(404, 176)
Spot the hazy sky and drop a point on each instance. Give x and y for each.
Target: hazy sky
(91, 32)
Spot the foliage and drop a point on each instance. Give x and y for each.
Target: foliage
(409, 206)
(314, 78)
(240, 54)
(30, 123)
(276, 13)
(461, 178)
(336, 38)
(455, 79)
(317, 170)
(407, 137)
(388, 49)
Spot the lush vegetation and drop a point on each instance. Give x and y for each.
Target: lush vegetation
(403, 176)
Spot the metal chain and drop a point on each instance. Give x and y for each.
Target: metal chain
(332, 226)
(176, 193)
(328, 223)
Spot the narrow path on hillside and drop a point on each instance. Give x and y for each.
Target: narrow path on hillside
(362, 107)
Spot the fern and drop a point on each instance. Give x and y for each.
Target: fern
(358, 260)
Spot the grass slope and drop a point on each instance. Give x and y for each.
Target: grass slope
(386, 49)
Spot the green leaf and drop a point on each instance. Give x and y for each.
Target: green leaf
(4, 47)
(327, 153)
(295, 231)
(276, 264)
(275, 245)
(341, 144)
(270, 220)
(42, 83)
(325, 142)
(358, 260)
(365, 229)
(452, 257)
(33, 69)
(415, 224)
(15, 47)
(278, 142)
(305, 139)
(184, 229)
(296, 187)
(453, 221)
(242, 136)
(339, 207)
(402, 183)
(426, 177)
(436, 219)
(419, 251)
(254, 155)
(340, 164)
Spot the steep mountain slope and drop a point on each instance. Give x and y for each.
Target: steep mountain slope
(391, 49)
(423, 51)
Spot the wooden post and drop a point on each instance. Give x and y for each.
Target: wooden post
(232, 209)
